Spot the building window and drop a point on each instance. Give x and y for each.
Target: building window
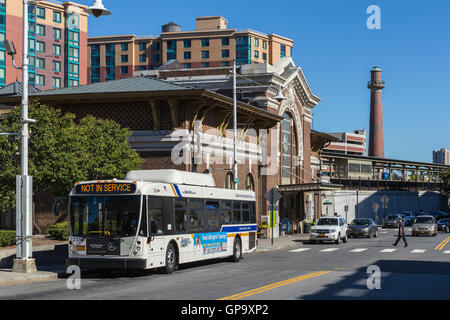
(187, 65)
(142, 67)
(187, 43)
(74, 38)
(40, 46)
(56, 50)
(256, 42)
(288, 149)
(56, 82)
(31, 45)
(205, 54)
(156, 46)
(205, 42)
(56, 66)
(171, 50)
(124, 46)
(72, 83)
(56, 33)
(229, 184)
(225, 63)
(142, 46)
(225, 53)
(264, 56)
(40, 30)
(40, 12)
(40, 63)
(187, 55)
(282, 51)
(124, 58)
(40, 80)
(225, 41)
(249, 183)
(74, 54)
(205, 64)
(124, 70)
(73, 70)
(264, 44)
(256, 54)
(57, 17)
(142, 57)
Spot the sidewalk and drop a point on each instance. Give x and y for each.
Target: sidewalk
(264, 245)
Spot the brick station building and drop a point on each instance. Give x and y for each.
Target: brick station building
(186, 127)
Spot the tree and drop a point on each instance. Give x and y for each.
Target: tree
(62, 151)
(445, 176)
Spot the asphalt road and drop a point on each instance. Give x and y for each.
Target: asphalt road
(307, 271)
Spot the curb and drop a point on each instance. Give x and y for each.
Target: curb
(7, 277)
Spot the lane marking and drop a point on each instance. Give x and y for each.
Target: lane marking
(418, 251)
(388, 250)
(300, 250)
(329, 249)
(358, 250)
(441, 245)
(274, 285)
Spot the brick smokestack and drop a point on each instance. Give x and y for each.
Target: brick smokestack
(376, 137)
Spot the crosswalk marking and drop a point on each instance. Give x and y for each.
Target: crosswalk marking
(300, 250)
(329, 249)
(447, 251)
(388, 250)
(418, 251)
(358, 250)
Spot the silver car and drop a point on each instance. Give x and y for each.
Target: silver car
(424, 225)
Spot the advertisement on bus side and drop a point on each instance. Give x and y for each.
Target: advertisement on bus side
(208, 243)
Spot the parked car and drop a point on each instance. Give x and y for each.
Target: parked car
(424, 225)
(392, 221)
(442, 216)
(444, 225)
(408, 218)
(329, 229)
(362, 227)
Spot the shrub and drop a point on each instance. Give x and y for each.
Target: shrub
(59, 231)
(7, 238)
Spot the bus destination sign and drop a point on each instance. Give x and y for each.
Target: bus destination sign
(107, 187)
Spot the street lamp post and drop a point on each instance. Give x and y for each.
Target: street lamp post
(235, 177)
(24, 183)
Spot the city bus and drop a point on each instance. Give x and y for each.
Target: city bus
(158, 219)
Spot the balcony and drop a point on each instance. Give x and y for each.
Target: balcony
(375, 84)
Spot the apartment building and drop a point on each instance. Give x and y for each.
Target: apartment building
(210, 45)
(441, 156)
(57, 40)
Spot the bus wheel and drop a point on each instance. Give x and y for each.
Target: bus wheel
(171, 259)
(237, 250)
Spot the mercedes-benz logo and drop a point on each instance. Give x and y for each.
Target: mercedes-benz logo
(112, 246)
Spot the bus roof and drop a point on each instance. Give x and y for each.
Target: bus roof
(172, 176)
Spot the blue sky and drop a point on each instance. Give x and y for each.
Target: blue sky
(336, 51)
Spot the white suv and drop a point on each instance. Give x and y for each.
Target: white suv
(329, 229)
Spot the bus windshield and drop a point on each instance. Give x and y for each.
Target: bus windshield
(104, 215)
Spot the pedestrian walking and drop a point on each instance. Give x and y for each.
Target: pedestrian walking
(401, 233)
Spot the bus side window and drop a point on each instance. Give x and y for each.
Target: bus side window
(237, 212)
(155, 216)
(245, 212)
(180, 216)
(212, 215)
(252, 213)
(225, 212)
(196, 216)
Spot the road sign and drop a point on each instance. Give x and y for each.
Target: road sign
(345, 208)
(236, 180)
(273, 196)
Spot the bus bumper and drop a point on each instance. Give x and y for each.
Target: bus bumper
(107, 263)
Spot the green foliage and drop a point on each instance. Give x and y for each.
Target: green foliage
(59, 231)
(62, 151)
(445, 176)
(7, 238)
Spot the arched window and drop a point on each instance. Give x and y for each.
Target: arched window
(288, 149)
(229, 181)
(249, 183)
